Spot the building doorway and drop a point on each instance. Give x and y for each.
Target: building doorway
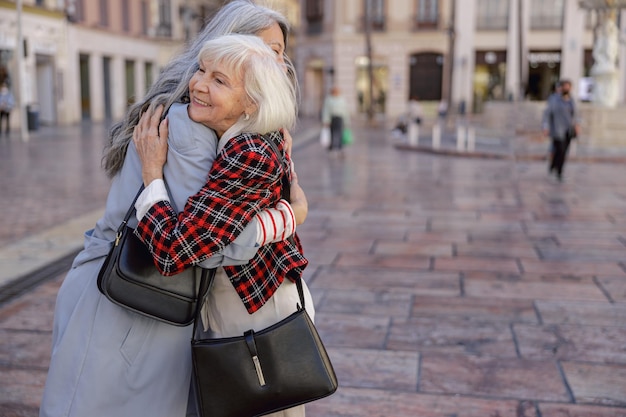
(544, 69)
(426, 75)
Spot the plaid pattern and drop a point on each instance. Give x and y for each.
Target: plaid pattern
(244, 179)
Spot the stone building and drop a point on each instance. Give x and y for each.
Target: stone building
(467, 53)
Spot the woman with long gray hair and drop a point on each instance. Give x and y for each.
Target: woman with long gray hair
(108, 361)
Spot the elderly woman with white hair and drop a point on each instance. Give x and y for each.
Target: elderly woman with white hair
(240, 92)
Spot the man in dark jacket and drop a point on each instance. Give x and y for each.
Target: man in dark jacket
(560, 122)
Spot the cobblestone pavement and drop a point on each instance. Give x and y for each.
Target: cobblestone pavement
(444, 286)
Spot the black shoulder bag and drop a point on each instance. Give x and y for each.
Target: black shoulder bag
(130, 279)
(263, 372)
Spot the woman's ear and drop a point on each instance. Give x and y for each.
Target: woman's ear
(251, 108)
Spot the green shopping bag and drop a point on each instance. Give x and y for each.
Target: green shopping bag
(346, 137)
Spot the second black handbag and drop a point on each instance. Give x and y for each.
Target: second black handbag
(130, 279)
(263, 372)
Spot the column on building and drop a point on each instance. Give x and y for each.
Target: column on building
(464, 55)
(96, 86)
(572, 43)
(514, 45)
(622, 62)
(118, 87)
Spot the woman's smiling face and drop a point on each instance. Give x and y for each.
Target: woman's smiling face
(217, 97)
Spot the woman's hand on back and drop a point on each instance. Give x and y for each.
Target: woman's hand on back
(150, 138)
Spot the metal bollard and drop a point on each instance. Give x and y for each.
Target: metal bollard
(460, 138)
(413, 133)
(471, 139)
(436, 136)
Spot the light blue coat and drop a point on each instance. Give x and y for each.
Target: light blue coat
(107, 361)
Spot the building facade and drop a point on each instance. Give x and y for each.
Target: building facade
(464, 52)
(87, 59)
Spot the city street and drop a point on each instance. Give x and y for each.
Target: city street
(445, 285)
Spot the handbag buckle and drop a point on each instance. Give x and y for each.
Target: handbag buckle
(249, 336)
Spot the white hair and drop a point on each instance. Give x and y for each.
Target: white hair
(265, 82)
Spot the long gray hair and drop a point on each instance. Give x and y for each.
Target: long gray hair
(172, 85)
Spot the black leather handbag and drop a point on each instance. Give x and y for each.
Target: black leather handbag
(263, 372)
(130, 279)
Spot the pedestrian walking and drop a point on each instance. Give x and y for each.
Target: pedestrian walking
(560, 123)
(107, 361)
(335, 116)
(7, 102)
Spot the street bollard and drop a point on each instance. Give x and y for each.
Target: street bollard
(460, 138)
(471, 139)
(413, 133)
(436, 136)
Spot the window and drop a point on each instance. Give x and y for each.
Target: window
(427, 13)
(546, 14)
(75, 11)
(104, 13)
(165, 18)
(493, 14)
(314, 16)
(125, 16)
(377, 13)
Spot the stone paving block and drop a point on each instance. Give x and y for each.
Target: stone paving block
(532, 287)
(476, 225)
(436, 237)
(354, 402)
(491, 377)
(572, 266)
(474, 309)
(615, 287)
(388, 279)
(499, 236)
(25, 349)
(576, 410)
(582, 312)
(386, 247)
(22, 386)
(468, 263)
(366, 332)
(384, 261)
(371, 368)
(452, 337)
(372, 303)
(573, 227)
(348, 245)
(582, 254)
(566, 342)
(603, 384)
(32, 312)
(496, 250)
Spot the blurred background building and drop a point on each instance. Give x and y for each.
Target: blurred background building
(88, 59)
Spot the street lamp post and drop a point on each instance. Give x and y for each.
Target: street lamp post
(370, 65)
(22, 73)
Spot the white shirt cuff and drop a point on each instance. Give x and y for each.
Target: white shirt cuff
(152, 194)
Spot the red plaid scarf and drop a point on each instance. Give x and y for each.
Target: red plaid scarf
(244, 180)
